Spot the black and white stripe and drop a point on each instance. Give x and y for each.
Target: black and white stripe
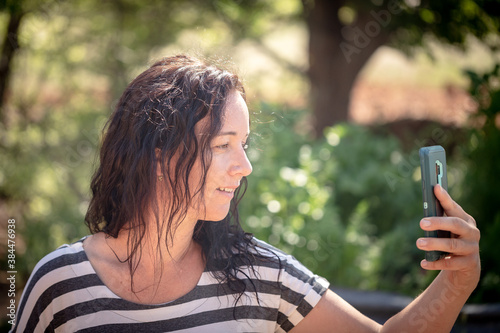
(64, 294)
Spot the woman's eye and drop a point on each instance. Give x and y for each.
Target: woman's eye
(226, 145)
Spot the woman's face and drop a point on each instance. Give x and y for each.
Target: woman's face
(229, 161)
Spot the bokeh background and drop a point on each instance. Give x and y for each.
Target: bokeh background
(342, 96)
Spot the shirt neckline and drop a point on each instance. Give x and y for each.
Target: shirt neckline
(79, 246)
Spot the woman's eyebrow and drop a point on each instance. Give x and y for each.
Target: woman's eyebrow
(231, 133)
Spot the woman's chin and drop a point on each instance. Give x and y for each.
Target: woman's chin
(215, 219)
(215, 216)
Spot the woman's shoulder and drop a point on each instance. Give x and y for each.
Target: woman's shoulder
(269, 251)
(68, 264)
(296, 280)
(56, 275)
(64, 257)
(287, 264)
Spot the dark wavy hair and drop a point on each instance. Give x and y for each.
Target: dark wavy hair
(154, 121)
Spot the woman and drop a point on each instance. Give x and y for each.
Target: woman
(167, 252)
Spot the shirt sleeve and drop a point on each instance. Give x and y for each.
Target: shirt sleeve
(301, 290)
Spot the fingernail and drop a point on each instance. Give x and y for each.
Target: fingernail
(422, 242)
(424, 263)
(425, 223)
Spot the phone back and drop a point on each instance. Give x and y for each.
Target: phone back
(433, 169)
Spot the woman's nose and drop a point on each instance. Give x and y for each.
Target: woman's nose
(241, 164)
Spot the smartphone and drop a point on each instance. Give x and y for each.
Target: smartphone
(433, 169)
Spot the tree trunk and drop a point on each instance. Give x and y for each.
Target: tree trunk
(10, 45)
(337, 53)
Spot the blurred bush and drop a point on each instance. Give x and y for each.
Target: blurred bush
(482, 182)
(44, 173)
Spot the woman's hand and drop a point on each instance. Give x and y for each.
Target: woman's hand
(462, 265)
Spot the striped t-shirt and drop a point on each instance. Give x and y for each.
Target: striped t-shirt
(64, 294)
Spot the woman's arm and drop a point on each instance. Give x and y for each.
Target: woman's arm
(437, 308)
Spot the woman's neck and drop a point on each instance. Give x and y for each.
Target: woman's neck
(156, 246)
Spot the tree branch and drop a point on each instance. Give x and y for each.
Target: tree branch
(10, 45)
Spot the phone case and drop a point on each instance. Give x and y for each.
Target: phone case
(433, 169)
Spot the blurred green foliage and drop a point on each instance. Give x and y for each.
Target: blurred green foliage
(482, 182)
(44, 175)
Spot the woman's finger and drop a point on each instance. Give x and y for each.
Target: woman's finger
(452, 263)
(454, 246)
(451, 208)
(456, 225)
